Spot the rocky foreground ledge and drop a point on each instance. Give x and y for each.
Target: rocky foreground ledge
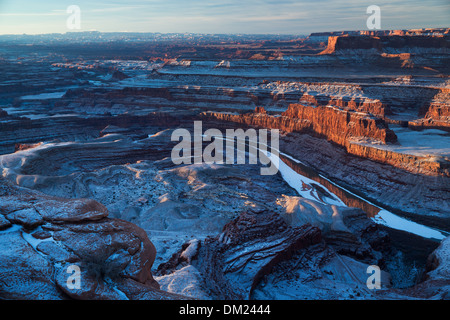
(42, 236)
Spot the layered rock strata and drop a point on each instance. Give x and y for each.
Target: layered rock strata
(343, 127)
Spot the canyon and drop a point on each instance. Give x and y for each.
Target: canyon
(87, 177)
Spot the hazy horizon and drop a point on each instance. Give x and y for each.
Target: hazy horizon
(285, 17)
(200, 33)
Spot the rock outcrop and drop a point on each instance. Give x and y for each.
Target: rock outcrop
(333, 123)
(378, 33)
(248, 248)
(44, 240)
(347, 230)
(259, 241)
(264, 255)
(378, 43)
(3, 113)
(370, 106)
(338, 125)
(436, 113)
(436, 282)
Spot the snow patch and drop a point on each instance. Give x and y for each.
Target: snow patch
(44, 96)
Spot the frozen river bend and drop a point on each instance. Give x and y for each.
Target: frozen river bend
(217, 231)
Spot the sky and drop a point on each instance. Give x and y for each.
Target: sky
(225, 16)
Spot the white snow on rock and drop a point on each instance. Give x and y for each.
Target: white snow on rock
(431, 143)
(391, 220)
(191, 251)
(186, 281)
(44, 96)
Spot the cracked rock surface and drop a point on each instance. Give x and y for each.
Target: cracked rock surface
(42, 236)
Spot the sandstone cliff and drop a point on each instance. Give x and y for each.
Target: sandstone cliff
(352, 42)
(338, 125)
(436, 114)
(333, 123)
(343, 127)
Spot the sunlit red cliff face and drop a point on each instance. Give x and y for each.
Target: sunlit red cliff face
(333, 123)
(341, 127)
(349, 42)
(338, 125)
(87, 177)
